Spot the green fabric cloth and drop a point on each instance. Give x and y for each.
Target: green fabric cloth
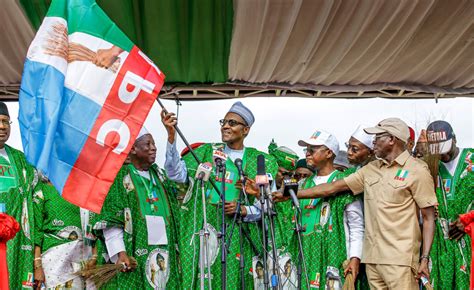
(191, 221)
(127, 206)
(188, 40)
(7, 175)
(450, 260)
(64, 243)
(324, 241)
(56, 221)
(18, 204)
(285, 157)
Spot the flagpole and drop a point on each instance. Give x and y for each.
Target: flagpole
(181, 135)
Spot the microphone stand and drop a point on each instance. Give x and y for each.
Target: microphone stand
(204, 243)
(264, 237)
(301, 259)
(222, 170)
(242, 233)
(238, 219)
(276, 267)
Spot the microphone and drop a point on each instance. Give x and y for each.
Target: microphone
(204, 171)
(238, 164)
(219, 158)
(291, 188)
(261, 179)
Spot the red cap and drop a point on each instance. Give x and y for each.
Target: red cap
(412, 134)
(194, 146)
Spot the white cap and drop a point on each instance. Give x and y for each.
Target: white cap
(142, 132)
(364, 138)
(321, 137)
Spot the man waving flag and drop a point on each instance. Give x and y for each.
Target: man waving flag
(85, 93)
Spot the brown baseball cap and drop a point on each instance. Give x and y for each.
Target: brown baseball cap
(393, 126)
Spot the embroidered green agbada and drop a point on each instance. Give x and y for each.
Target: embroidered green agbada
(133, 199)
(450, 259)
(18, 181)
(191, 221)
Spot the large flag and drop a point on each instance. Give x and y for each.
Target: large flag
(85, 93)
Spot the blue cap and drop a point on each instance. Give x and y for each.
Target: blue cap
(244, 112)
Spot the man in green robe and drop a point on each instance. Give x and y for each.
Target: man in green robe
(234, 129)
(333, 227)
(138, 220)
(18, 180)
(450, 254)
(64, 243)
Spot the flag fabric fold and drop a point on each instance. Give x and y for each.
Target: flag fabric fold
(86, 91)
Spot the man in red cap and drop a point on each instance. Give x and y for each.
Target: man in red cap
(455, 193)
(411, 140)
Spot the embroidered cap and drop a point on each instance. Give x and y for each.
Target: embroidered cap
(244, 112)
(364, 138)
(440, 137)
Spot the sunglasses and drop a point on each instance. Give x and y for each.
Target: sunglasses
(231, 123)
(312, 150)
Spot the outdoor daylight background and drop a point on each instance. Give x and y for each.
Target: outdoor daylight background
(289, 119)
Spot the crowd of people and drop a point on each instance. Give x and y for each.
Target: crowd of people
(390, 213)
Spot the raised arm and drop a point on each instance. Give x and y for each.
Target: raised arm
(324, 190)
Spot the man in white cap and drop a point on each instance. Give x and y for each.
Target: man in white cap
(329, 238)
(360, 148)
(455, 192)
(138, 220)
(235, 127)
(394, 187)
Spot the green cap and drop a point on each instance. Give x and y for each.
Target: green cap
(284, 156)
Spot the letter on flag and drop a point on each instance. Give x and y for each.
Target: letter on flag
(85, 94)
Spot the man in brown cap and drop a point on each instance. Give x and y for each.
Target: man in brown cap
(394, 186)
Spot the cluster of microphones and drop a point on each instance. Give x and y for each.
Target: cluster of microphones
(263, 180)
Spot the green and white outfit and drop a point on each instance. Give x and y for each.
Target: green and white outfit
(191, 215)
(334, 232)
(64, 233)
(450, 259)
(138, 217)
(18, 180)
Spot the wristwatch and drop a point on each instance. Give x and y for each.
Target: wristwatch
(427, 257)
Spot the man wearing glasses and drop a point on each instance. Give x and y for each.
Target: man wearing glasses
(17, 184)
(235, 127)
(394, 187)
(333, 227)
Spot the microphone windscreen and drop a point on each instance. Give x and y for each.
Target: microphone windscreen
(238, 163)
(261, 165)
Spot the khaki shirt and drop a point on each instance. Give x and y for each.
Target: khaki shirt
(392, 193)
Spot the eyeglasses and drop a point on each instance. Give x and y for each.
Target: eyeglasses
(6, 123)
(231, 123)
(301, 175)
(352, 148)
(312, 150)
(378, 136)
